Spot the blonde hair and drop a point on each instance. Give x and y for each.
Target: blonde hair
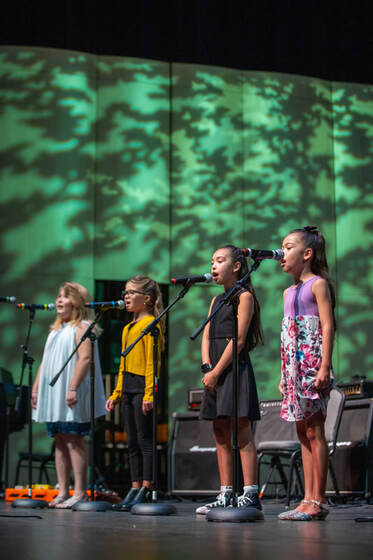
(78, 295)
(155, 306)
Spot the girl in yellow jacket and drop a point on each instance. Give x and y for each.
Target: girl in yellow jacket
(135, 386)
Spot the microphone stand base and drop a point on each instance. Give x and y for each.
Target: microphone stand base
(92, 506)
(153, 509)
(29, 503)
(235, 514)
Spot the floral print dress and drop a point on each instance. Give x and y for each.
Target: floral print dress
(301, 352)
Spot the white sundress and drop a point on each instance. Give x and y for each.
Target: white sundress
(51, 402)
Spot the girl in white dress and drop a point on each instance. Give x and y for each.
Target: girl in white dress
(66, 407)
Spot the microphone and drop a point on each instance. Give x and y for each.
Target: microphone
(8, 299)
(106, 304)
(43, 306)
(261, 254)
(207, 278)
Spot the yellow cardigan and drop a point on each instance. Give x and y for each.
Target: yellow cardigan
(140, 360)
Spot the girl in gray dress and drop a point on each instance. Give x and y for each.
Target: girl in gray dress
(228, 266)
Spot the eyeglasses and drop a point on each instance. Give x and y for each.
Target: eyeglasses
(131, 293)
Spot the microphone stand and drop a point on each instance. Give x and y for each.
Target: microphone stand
(155, 508)
(28, 360)
(233, 514)
(92, 505)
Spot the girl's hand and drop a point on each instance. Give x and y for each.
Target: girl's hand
(281, 388)
(34, 399)
(110, 405)
(71, 399)
(146, 406)
(322, 379)
(210, 380)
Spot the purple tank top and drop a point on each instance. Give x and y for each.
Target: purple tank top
(301, 301)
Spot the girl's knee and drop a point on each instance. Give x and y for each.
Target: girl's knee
(245, 435)
(143, 442)
(303, 439)
(310, 433)
(132, 443)
(222, 437)
(315, 428)
(60, 442)
(222, 431)
(301, 428)
(315, 434)
(74, 440)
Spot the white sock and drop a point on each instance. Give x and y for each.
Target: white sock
(252, 488)
(225, 488)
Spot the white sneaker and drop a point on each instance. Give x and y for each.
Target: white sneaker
(222, 500)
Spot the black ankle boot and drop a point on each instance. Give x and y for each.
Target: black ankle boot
(142, 497)
(123, 505)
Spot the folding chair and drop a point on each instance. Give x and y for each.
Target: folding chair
(40, 461)
(290, 449)
(272, 436)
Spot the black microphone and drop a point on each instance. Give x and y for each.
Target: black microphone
(43, 306)
(8, 299)
(207, 278)
(106, 304)
(261, 254)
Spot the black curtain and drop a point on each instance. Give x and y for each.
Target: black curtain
(316, 38)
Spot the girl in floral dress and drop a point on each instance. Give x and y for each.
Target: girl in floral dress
(306, 357)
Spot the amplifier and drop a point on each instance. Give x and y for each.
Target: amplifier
(353, 457)
(195, 396)
(272, 427)
(192, 462)
(193, 467)
(361, 388)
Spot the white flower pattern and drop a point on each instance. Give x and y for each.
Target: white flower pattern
(301, 352)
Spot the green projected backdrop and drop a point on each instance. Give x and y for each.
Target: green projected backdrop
(115, 166)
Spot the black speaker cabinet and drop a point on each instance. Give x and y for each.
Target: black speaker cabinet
(193, 467)
(271, 427)
(353, 457)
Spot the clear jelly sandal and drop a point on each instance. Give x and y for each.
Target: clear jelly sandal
(293, 514)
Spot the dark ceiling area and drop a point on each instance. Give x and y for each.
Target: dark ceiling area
(325, 39)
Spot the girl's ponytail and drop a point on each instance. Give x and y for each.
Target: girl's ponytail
(313, 239)
(155, 306)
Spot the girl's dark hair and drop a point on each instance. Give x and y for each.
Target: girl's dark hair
(255, 333)
(313, 239)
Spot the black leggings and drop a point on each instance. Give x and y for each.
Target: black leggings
(138, 427)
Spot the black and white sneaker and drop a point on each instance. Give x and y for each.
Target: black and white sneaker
(249, 499)
(224, 499)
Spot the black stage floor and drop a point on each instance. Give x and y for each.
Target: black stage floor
(66, 535)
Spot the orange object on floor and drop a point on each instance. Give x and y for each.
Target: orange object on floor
(37, 493)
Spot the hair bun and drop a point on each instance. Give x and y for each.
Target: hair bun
(311, 229)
